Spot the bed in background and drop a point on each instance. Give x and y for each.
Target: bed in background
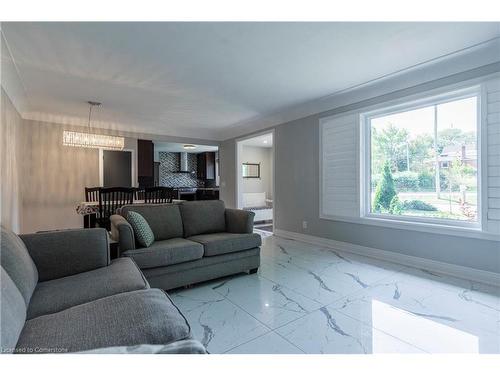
(257, 203)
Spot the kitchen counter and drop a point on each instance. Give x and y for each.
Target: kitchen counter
(194, 193)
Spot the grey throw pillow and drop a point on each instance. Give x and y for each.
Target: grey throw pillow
(143, 233)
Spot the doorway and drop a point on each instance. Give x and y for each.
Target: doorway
(116, 168)
(255, 179)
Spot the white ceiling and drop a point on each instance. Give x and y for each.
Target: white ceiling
(203, 79)
(179, 147)
(264, 140)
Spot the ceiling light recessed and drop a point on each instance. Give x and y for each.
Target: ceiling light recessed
(189, 147)
(265, 141)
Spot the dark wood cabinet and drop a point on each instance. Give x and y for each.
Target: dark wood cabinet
(156, 173)
(207, 194)
(206, 166)
(145, 157)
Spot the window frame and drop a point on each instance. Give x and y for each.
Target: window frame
(422, 101)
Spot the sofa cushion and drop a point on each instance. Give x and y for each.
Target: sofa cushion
(66, 252)
(202, 217)
(122, 275)
(164, 219)
(125, 319)
(165, 253)
(12, 313)
(17, 262)
(142, 231)
(222, 243)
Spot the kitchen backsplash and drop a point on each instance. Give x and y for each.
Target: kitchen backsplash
(169, 165)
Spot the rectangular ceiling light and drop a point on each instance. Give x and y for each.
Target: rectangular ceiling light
(90, 140)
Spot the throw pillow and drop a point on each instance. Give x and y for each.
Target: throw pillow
(143, 233)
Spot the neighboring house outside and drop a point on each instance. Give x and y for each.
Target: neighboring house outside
(466, 153)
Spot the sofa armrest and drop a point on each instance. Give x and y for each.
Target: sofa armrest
(239, 221)
(64, 253)
(122, 231)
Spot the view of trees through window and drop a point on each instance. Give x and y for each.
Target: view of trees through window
(424, 162)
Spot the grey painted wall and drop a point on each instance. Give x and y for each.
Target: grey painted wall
(227, 165)
(297, 189)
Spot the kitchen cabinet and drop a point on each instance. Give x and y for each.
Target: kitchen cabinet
(156, 173)
(206, 166)
(145, 162)
(145, 158)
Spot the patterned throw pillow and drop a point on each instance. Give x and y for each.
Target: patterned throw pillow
(142, 230)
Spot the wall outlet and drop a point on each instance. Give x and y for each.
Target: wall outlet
(304, 224)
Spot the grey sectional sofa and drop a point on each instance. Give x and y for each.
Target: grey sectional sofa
(61, 293)
(194, 242)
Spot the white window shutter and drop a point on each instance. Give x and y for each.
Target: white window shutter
(339, 167)
(493, 156)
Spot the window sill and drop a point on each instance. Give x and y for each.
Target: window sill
(470, 232)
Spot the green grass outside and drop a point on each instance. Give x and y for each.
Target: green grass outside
(448, 206)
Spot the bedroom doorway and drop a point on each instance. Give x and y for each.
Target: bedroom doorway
(255, 179)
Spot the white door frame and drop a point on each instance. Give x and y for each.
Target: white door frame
(101, 165)
(238, 174)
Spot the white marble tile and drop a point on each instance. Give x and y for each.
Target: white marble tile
(328, 262)
(364, 275)
(288, 250)
(270, 343)
(328, 331)
(322, 289)
(431, 331)
(325, 301)
(435, 320)
(217, 323)
(464, 311)
(280, 248)
(397, 292)
(268, 302)
(450, 283)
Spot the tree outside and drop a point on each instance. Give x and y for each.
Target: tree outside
(406, 162)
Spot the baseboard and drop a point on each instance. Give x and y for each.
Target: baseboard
(486, 277)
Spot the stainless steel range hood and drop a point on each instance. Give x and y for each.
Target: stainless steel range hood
(183, 163)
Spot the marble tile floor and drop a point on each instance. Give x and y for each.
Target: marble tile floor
(309, 299)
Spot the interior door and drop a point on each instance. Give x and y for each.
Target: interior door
(117, 168)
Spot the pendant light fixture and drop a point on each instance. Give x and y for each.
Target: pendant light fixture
(92, 140)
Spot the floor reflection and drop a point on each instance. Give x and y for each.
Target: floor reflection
(421, 332)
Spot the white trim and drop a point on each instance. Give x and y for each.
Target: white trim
(474, 274)
(439, 96)
(444, 94)
(101, 165)
(483, 153)
(238, 174)
(418, 227)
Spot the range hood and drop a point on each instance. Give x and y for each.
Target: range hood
(183, 163)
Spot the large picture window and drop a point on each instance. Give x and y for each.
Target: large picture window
(422, 161)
